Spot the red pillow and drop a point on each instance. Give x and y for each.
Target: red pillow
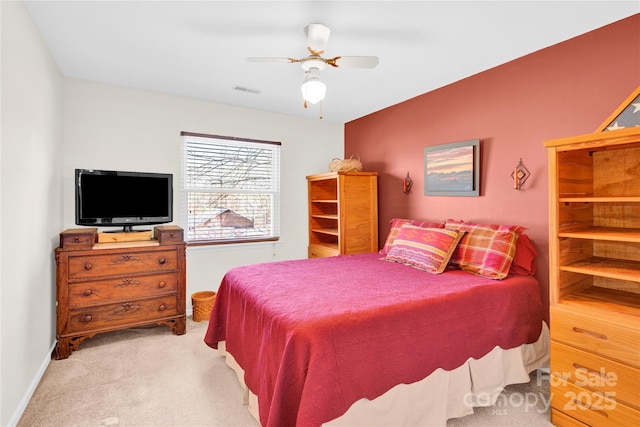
(524, 261)
(427, 249)
(396, 225)
(485, 249)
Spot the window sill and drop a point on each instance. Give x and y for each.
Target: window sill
(232, 245)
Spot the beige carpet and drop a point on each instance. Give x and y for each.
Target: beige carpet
(150, 377)
(139, 377)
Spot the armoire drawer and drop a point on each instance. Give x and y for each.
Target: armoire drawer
(560, 419)
(111, 315)
(589, 407)
(596, 373)
(121, 288)
(101, 265)
(594, 335)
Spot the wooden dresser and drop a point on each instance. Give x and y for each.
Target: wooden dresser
(103, 287)
(594, 256)
(343, 213)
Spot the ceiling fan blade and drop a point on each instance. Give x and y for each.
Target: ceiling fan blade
(317, 38)
(290, 60)
(354, 61)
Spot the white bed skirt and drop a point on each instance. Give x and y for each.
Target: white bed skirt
(440, 396)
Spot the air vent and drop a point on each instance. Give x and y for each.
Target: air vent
(246, 89)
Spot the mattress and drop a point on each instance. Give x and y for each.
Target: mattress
(441, 396)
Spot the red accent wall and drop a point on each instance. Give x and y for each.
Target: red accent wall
(563, 90)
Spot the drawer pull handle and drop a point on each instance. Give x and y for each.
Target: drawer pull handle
(76, 239)
(88, 266)
(161, 261)
(596, 408)
(590, 334)
(590, 371)
(162, 307)
(87, 318)
(87, 292)
(127, 282)
(162, 284)
(126, 307)
(125, 258)
(172, 235)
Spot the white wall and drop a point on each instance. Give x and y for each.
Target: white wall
(51, 125)
(31, 209)
(111, 127)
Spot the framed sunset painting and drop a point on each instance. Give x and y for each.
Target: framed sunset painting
(452, 169)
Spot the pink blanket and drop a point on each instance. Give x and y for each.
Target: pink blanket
(316, 335)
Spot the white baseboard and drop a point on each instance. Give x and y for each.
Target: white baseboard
(32, 388)
(36, 380)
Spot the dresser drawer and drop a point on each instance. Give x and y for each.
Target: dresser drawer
(110, 315)
(595, 373)
(168, 234)
(100, 265)
(122, 288)
(78, 239)
(594, 335)
(589, 407)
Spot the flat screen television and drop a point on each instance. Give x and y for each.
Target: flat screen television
(118, 198)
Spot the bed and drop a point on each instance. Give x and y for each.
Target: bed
(360, 340)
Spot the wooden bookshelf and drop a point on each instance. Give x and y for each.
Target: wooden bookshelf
(343, 213)
(594, 257)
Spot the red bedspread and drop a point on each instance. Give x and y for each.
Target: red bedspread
(316, 335)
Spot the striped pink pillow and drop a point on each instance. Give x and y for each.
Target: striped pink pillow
(427, 249)
(396, 225)
(485, 249)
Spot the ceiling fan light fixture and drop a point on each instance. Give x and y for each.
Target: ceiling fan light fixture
(313, 90)
(313, 62)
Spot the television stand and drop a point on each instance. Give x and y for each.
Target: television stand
(128, 234)
(128, 229)
(107, 287)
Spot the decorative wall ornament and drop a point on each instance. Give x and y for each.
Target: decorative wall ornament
(519, 175)
(407, 183)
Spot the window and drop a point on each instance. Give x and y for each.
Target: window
(230, 189)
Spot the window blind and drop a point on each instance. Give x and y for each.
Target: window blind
(230, 189)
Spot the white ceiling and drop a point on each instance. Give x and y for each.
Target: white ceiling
(198, 49)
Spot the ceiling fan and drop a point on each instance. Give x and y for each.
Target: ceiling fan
(313, 89)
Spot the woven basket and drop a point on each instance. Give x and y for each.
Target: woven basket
(345, 165)
(202, 304)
